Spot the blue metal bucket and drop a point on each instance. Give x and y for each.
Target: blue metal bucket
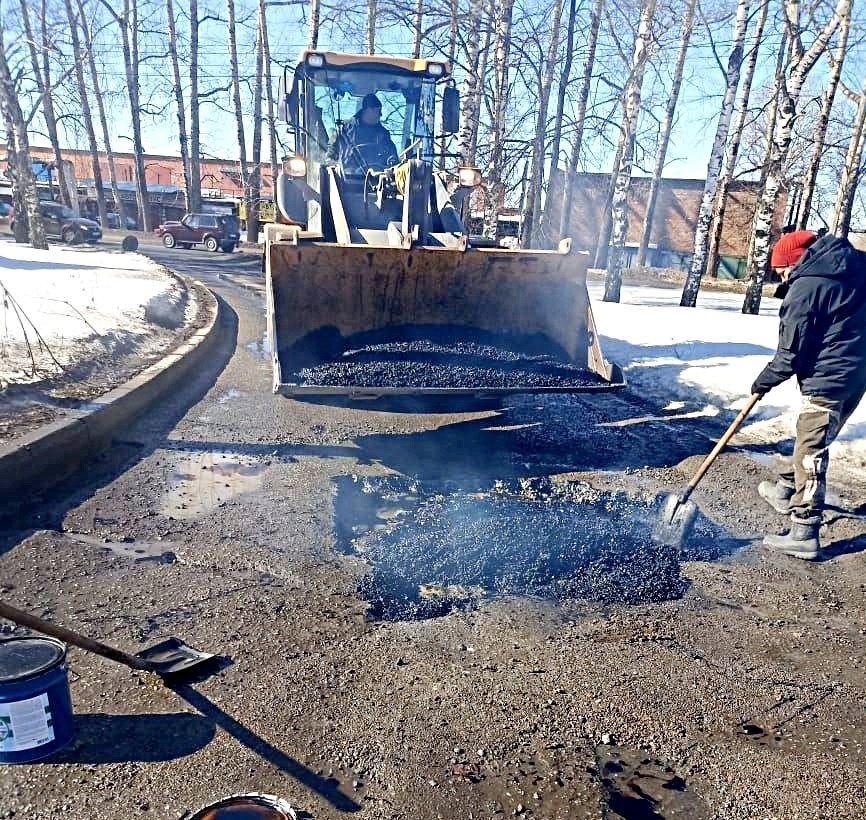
(35, 707)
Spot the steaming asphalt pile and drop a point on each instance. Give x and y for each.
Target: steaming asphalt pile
(432, 552)
(433, 357)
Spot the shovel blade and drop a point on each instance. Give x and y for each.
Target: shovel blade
(675, 522)
(173, 656)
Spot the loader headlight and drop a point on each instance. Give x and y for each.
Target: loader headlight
(296, 167)
(435, 69)
(469, 177)
(316, 60)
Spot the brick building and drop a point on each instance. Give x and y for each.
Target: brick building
(674, 222)
(220, 182)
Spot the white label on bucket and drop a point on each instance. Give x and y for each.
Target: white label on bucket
(25, 724)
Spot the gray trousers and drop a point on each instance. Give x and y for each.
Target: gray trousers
(818, 424)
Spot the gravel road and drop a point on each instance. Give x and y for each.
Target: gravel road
(245, 523)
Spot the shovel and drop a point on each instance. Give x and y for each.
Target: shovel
(171, 657)
(678, 513)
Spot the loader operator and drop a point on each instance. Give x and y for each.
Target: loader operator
(822, 341)
(363, 143)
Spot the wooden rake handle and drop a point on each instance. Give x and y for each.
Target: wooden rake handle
(720, 445)
(82, 642)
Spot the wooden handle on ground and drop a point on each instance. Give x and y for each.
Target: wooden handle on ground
(720, 445)
(62, 633)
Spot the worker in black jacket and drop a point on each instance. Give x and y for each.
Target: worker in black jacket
(363, 142)
(822, 341)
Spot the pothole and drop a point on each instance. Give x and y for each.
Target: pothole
(437, 547)
(202, 481)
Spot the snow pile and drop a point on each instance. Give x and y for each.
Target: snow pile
(707, 357)
(82, 302)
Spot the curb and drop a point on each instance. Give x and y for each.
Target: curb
(42, 458)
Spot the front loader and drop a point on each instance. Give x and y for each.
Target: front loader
(369, 255)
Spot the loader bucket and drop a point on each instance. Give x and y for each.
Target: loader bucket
(324, 299)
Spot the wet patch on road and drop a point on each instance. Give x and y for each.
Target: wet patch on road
(202, 481)
(638, 787)
(436, 547)
(125, 546)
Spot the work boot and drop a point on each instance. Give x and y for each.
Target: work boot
(777, 495)
(801, 541)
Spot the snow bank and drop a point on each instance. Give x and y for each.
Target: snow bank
(81, 301)
(707, 357)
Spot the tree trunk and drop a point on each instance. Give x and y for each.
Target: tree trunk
(269, 97)
(740, 112)
(810, 178)
(238, 108)
(42, 79)
(665, 131)
(535, 183)
(580, 116)
(562, 90)
(256, 173)
(417, 31)
(371, 26)
(793, 80)
(467, 139)
(851, 171)
(315, 22)
(103, 120)
(495, 198)
(178, 97)
(619, 206)
(23, 181)
(78, 59)
(193, 196)
(698, 266)
(453, 33)
(603, 246)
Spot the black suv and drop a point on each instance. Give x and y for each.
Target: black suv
(59, 222)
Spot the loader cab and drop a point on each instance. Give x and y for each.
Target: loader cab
(327, 92)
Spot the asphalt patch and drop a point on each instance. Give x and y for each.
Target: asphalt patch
(437, 547)
(431, 356)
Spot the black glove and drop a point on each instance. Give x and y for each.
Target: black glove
(760, 387)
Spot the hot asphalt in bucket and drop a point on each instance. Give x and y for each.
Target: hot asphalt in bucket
(438, 547)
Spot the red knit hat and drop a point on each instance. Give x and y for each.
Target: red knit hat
(790, 248)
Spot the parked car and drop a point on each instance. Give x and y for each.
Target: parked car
(7, 216)
(60, 222)
(113, 220)
(211, 230)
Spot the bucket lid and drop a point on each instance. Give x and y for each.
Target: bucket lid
(25, 657)
(253, 806)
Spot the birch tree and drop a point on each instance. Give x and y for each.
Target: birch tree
(698, 265)
(177, 88)
(269, 92)
(851, 170)
(40, 61)
(467, 139)
(315, 23)
(372, 10)
(741, 111)
(802, 61)
(231, 23)
(128, 29)
(495, 193)
(580, 115)
(78, 60)
(255, 184)
(18, 151)
(619, 205)
(95, 84)
(535, 182)
(665, 130)
(810, 177)
(193, 194)
(417, 28)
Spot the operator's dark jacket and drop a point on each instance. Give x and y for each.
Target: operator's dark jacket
(822, 329)
(354, 132)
